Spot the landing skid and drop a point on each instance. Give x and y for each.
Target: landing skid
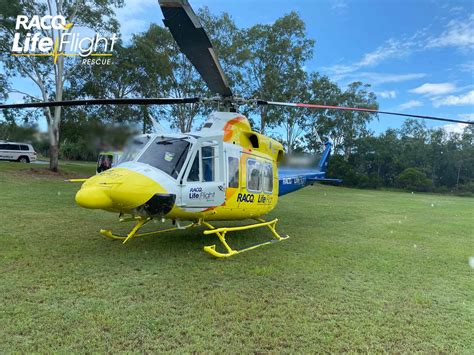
(221, 233)
(211, 249)
(140, 223)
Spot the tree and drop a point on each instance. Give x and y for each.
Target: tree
(228, 42)
(324, 92)
(139, 70)
(3, 88)
(184, 80)
(167, 72)
(273, 55)
(347, 126)
(343, 128)
(48, 75)
(414, 179)
(151, 65)
(10, 130)
(387, 156)
(292, 120)
(414, 139)
(465, 158)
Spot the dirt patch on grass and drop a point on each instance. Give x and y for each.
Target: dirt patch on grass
(49, 173)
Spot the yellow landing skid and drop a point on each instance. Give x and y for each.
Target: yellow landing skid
(140, 223)
(221, 233)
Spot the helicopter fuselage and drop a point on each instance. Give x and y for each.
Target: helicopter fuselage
(225, 171)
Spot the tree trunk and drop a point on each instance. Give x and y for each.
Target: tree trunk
(347, 153)
(189, 123)
(289, 139)
(53, 157)
(53, 145)
(54, 124)
(146, 120)
(182, 120)
(459, 174)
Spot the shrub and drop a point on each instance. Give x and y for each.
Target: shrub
(414, 179)
(466, 189)
(339, 168)
(79, 150)
(374, 180)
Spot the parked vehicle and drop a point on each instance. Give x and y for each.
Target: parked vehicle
(14, 151)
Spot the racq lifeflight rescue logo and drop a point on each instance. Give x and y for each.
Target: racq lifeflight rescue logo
(66, 44)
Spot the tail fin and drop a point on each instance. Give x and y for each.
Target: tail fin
(323, 162)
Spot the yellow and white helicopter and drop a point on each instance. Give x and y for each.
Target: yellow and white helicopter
(223, 172)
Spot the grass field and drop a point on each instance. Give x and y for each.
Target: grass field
(363, 271)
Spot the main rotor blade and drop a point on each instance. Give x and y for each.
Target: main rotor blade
(87, 102)
(192, 40)
(340, 108)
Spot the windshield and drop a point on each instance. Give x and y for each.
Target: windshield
(104, 162)
(133, 147)
(167, 154)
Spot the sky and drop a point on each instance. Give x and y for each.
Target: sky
(418, 55)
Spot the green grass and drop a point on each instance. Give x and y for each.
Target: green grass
(362, 271)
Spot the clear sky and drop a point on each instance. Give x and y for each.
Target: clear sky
(418, 55)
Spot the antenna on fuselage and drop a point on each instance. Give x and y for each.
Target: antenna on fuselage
(318, 138)
(157, 127)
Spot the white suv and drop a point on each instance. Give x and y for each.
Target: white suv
(22, 152)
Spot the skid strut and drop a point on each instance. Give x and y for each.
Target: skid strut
(140, 223)
(221, 233)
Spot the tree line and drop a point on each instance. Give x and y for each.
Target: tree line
(413, 158)
(267, 61)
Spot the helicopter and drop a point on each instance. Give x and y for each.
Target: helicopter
(223, 172)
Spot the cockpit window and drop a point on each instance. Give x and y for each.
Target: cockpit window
(166, 154)
(104, 162)
(133, 147)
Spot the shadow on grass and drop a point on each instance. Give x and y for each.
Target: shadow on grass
(174, 244)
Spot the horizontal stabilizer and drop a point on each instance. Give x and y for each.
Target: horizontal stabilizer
(317, 179)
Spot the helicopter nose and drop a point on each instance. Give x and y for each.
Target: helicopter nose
(93, 198)
(118, 190)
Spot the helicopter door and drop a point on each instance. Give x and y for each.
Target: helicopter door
(203, 182)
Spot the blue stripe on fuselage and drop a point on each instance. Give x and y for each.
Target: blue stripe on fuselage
(290, 180)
